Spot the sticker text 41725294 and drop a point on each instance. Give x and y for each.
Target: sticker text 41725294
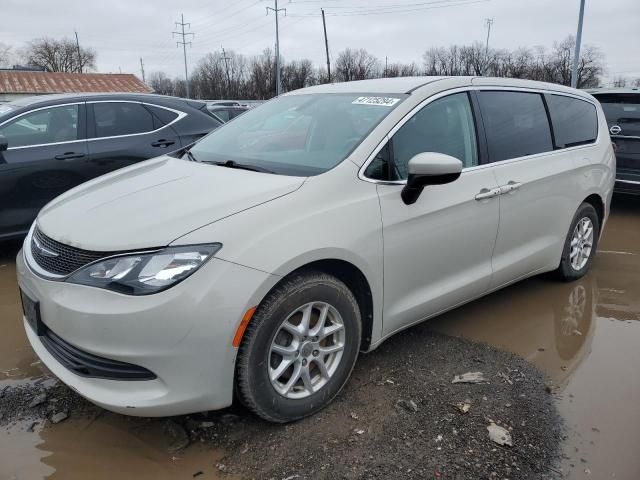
(380, 101)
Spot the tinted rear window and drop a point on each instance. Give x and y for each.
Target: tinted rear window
(622, 110)
(516, 124)
(575, 122)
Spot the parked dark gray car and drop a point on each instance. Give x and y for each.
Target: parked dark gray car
(51, 143)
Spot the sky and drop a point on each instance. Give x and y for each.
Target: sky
(122, 31)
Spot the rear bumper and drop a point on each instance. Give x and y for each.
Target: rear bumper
(628, 181)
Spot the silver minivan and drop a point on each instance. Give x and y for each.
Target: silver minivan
(306, 231)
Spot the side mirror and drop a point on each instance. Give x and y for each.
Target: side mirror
(429, 168)
(4, 143)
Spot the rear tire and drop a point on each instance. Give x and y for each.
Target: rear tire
(580, 245)
(300, 348)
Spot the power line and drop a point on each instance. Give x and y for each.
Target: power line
(388, 6)
(388, 11)
(219, 19)
(237, 30)
(184, 46)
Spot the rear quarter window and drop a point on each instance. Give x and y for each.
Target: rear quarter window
(575, 121)
(162, 114)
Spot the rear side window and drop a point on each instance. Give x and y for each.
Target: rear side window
(516, 124)
(575, 122)
(121, 118)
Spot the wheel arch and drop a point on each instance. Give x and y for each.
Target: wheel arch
(595, 200)
(353, 277)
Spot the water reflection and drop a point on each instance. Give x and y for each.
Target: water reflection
(550, 324)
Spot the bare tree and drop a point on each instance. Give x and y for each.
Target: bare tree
(5, 55)
(59, 55)
(160, 83)
(533, 64)
(261, 80)
(402, 70)
(356, 65)
(619, 82)
(298, 74)
(217, 77)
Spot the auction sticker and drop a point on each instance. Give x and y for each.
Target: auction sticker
(380, 101)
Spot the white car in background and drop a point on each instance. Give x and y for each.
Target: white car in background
(265, 259)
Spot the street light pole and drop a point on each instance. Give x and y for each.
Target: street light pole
(576, 55)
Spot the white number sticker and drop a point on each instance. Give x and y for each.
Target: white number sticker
(380, 101)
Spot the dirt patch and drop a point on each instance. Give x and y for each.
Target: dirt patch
(400, 416)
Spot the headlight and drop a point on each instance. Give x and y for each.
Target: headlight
(145, 273)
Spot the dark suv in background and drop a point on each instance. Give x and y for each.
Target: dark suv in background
(51, 143)
(622, 108)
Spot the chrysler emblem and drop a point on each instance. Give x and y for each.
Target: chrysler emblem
(42, 250)
(615, 130)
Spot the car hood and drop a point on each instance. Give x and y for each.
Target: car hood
(152, 203)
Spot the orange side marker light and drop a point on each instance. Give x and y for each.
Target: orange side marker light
(243, 326)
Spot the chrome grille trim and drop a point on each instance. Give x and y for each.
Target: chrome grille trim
(58, 259)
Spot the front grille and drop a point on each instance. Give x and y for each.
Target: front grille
(58, 258)
(88, 365)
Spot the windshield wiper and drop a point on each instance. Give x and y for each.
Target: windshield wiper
(242, 166)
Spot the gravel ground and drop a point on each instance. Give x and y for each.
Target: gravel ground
(400, 416)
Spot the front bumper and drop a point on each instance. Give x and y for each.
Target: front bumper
(183, 335)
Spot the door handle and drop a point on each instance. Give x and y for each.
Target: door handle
(162, 143)
(510, 187)
(69, 156)
(487, 193)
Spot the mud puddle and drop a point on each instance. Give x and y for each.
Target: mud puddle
(585, 336)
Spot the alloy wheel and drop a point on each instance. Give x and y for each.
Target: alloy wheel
(581, 243)
(306, 350)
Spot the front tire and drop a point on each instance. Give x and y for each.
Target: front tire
(300, 348)
(580, 244)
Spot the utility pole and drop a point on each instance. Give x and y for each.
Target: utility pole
(142, 70)
(386, 59)
(488, 23)
(79, 55)
(326, 45)
(276, 10)
(184, 44)
(576, 54)
(226, 64)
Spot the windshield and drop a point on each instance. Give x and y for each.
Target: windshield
(623, 111)
(298, 134)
